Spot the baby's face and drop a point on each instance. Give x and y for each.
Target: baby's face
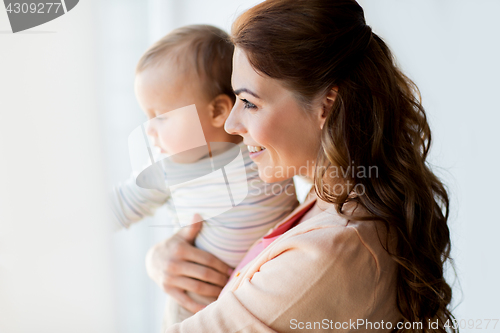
(164, 95)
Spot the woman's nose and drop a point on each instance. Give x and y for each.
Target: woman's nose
(234, 123)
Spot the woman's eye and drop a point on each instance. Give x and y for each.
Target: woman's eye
(248, 105)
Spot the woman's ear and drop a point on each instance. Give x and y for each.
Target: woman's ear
(327, 104)
(220, 108)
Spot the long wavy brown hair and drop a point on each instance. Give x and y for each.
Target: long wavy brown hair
(377, 120)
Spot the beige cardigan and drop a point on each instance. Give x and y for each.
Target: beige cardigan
(324, 274)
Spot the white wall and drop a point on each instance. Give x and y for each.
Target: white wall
(55, 260)
(166, 15)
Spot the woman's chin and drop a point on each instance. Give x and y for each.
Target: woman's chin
(270, 177)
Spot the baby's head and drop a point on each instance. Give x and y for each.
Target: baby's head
(190, 65)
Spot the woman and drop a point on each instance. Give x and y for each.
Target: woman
(319, 95)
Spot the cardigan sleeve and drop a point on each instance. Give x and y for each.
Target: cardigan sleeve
(320, 277)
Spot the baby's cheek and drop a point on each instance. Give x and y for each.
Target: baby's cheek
(168, 140)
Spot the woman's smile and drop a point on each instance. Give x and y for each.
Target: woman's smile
(256, 151)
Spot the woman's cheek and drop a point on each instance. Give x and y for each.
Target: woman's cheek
(262, 132)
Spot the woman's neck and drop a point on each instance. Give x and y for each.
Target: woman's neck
(318, 207)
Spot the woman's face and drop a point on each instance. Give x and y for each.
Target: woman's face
(282, 137)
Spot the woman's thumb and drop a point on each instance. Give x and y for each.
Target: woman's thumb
(190, 232)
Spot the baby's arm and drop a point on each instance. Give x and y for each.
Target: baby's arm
(131, 203)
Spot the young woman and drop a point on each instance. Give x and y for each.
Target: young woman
(319, 95)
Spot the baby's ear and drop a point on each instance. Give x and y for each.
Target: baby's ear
(220, 108)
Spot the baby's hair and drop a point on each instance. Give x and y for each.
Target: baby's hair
(205, 48)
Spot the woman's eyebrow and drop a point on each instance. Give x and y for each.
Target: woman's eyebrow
(239, 91)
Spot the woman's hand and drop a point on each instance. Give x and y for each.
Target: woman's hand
(177, 266)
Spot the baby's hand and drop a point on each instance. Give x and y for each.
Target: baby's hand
(177, 266)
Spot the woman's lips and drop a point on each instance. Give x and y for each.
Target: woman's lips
(256, 151)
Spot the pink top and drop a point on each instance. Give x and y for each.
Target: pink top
(265, 241)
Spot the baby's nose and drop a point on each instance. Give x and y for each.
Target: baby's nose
(150, 128)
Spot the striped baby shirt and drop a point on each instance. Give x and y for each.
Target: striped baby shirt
(227, 233)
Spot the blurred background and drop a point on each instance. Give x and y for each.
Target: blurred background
(67, 107)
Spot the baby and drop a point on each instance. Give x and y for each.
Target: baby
(184, 77)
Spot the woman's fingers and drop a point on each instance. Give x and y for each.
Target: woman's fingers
(201, 272)
(184, 249)
(201, 257)
(195, 286)
(189, 233)
(184, 300)
(177, 266)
